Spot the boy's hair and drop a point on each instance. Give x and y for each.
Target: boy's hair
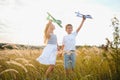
(67, 26)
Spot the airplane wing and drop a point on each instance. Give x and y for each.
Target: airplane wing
(49, 15)
(54, 20)
(78, 14)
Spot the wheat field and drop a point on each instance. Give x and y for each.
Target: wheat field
(91, 64)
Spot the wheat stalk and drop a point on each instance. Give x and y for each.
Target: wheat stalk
(31, 65)
(23, 60)
(18, 64)
(59, 65)
(9, 70)
(59, 61)
(87, 57)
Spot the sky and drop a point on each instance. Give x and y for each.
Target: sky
(23, 21)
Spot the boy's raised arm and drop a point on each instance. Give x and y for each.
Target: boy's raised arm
(78, 29)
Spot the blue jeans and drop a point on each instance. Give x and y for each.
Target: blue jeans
(69, 60)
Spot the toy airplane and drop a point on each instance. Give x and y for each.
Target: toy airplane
(50, 17)
(78, 14)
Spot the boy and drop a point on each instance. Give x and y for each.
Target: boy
(68, 45)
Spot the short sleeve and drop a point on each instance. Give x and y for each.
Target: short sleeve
(74, 33)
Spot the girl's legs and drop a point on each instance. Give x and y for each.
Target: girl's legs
(49, 70)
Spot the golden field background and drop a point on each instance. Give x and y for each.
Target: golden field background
(92, 63)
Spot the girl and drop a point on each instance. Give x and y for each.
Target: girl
(48, 56)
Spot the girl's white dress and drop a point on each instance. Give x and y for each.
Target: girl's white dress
(49, 53)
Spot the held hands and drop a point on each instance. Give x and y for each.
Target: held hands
(60, 52)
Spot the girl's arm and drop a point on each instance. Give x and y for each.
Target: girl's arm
(78, 29)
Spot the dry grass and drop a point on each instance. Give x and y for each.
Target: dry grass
(22, 65)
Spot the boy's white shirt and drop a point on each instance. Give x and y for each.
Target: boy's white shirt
(69, 41)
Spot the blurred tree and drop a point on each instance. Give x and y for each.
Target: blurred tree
(116, 46)
(113, 48)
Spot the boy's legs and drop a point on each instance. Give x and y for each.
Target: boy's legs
(66, 65)
(73, 59)
(69, 62)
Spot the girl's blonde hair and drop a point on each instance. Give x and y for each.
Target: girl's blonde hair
(47, 32)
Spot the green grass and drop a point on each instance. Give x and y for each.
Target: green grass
(91, 64)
